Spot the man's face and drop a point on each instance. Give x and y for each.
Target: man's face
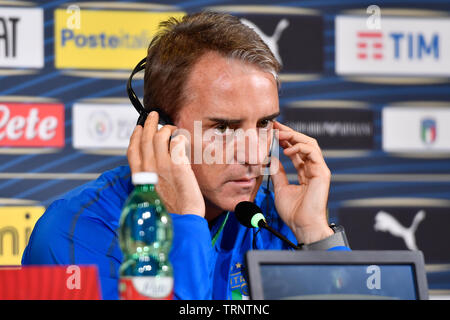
(228, 99)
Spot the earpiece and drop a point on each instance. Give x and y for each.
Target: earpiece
(143, 113)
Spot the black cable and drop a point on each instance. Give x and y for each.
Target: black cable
(143, 113)
(267, 192)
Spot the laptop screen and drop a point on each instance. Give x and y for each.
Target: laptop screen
(338, 282)
(326, 275)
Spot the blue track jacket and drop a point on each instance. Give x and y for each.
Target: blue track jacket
(82, 228)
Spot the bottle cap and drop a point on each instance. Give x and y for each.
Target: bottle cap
(144, 178)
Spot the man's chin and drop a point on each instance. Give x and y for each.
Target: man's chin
(229, 203)
(243, 194)
(229, 197)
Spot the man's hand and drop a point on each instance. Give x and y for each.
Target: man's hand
(302, 207)
(149, 151)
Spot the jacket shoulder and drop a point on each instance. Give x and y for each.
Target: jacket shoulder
(89, 212)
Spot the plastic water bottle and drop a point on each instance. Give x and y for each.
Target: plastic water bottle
(145, 235)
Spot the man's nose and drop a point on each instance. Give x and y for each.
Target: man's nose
(251, 147)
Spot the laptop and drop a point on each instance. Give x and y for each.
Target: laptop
(330, 275)
(42, 282)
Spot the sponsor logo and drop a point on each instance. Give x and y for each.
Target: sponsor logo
(334, 128)
(102, 126)
(399, 227)
(146, 288)
(21, 38)
(386, 222)
(286, 35)
(369, 45)
(54, 282)
(31, 125)
(16, 224)
(104, 39)
(272, 40)
(415, 129)
(428, 132)
(403, 46)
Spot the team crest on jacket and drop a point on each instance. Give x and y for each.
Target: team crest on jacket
(238, 283)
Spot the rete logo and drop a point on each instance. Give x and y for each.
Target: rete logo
(31, 125)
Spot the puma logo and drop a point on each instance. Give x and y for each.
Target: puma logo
(387, 223)
(271, 41)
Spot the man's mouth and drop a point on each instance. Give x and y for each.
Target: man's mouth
(244, 182)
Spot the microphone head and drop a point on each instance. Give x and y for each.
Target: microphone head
(248, 214)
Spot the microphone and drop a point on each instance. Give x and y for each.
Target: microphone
(250, 215)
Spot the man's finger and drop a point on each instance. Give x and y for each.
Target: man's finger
(161, 145)
(281, 127)
(134, 150)
(286, 133)
(296, 159)
(150, 128)
(306, 151)
(178, 147)
(147, 153)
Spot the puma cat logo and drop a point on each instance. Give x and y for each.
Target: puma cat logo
(387, 223)
(271, 41)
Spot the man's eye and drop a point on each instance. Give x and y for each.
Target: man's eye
(221, 128)
(265, 124)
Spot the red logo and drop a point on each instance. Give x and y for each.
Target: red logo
(31, 125)
(50, 283)
(146, 288)
(370, 45)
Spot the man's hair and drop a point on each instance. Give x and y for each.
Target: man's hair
(181, 42)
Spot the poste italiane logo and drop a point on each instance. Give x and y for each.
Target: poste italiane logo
(105, 39)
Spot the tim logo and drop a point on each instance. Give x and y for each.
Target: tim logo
(428, 131)
(399, 46)
(370, 45)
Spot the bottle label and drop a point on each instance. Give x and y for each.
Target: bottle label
(146, 288)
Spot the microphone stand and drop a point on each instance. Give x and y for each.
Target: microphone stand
(263, 224)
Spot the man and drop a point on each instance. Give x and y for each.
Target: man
(210, 70)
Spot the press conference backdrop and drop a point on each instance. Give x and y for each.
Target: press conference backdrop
(369, 80)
